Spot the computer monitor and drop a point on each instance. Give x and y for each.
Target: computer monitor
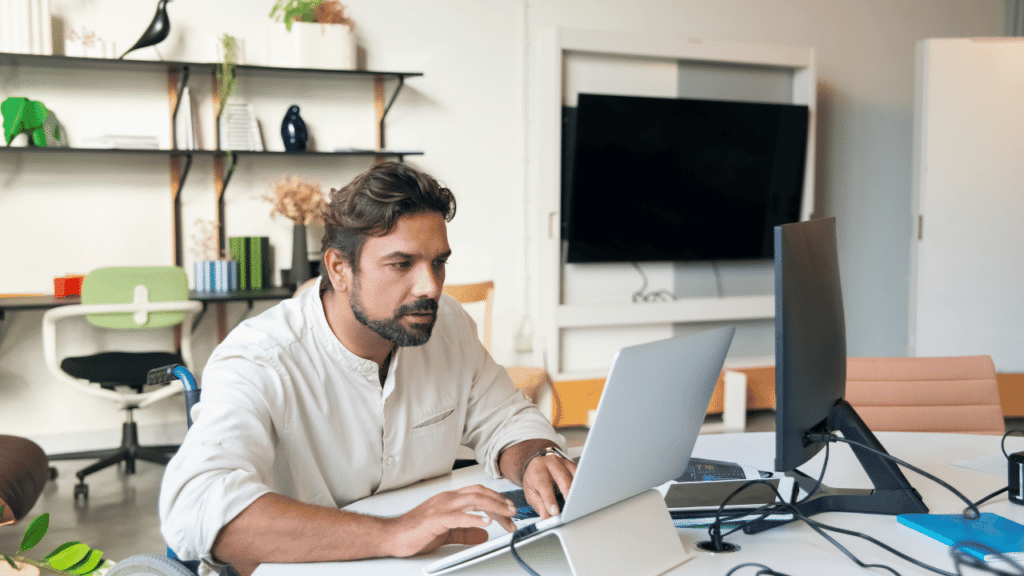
(810, 375)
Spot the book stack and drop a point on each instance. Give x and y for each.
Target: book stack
(122, 142)
(216, 275)
(253, 256)
(25, 27)
(187, 135)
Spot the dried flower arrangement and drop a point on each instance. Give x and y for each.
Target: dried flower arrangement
(207, 244)
(318, 11)
(298, 199)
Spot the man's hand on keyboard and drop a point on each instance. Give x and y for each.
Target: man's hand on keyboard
(456, 517)
(543, 477)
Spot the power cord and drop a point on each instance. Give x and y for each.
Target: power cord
(764, 570)
(957, 551)
(642, 295)
(971, 506)
(516, 537)
(960, 557)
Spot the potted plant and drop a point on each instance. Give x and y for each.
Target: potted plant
(317, 34)
(301, 201)
(68, 558)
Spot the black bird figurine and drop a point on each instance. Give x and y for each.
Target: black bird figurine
(158, 29)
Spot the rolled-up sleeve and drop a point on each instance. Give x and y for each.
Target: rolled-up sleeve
(224, 463)
(499, 416)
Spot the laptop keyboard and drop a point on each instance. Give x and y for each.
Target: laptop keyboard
(523, 510)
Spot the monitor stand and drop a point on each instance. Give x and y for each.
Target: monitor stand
(892, 493)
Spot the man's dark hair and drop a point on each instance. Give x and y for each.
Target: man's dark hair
(373, 202)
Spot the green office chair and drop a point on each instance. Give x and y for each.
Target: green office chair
(123, 298)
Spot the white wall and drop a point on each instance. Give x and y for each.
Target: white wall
(469, 113)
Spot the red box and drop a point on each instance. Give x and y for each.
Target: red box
(67, 286)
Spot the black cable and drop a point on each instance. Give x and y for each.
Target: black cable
(1002, 444)
(763, 570)
(516, 537)
(715, 531)
(642, 296)
(639, 294)
(833, 438)
(817, 485)
(763, 511)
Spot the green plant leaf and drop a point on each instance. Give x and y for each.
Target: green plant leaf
(35, 532)
(59, 549)
(88, 565)
(11, 562)
(69, 556)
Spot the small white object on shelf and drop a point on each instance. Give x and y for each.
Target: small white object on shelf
(187, 134)
(126, 142)
(239, 129)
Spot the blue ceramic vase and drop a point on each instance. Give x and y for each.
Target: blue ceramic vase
(293, 131)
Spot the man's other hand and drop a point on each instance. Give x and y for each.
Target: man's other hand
(450, 518)
(544, 475)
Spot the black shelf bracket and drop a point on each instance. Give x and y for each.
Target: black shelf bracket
(182, 84)
(387, 107)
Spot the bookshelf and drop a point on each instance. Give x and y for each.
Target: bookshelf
(385, 87)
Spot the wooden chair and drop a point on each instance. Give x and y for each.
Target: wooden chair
(947, 394)
(530, 380)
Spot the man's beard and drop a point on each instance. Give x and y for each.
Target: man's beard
(392, 329)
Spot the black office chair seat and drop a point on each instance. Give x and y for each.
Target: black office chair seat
(110, 369)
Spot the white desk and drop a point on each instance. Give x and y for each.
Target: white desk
(794, 548)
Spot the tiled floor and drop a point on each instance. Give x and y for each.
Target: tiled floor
(121, 515)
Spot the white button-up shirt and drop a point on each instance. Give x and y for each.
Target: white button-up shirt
(286, 408)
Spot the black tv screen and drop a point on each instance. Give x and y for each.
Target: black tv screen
(649, 179)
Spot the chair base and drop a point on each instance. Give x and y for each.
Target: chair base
(128, 452)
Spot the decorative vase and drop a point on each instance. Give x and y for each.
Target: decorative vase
(300, 258)
(313, 45)
(293, 131)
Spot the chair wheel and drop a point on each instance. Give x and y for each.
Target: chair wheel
(81, 490)
(53, 472)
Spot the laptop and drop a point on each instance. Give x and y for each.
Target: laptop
(644, 429)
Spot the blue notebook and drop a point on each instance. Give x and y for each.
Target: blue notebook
(995, 531)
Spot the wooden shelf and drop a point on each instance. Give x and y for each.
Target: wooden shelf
(210, 153)
(39, 60)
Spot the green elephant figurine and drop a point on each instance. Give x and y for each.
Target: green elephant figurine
(24, 115)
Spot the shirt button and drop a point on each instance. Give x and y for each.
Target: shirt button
(391, 460)
(367, 367)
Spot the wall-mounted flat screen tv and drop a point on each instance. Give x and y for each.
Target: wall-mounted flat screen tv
(651, 179)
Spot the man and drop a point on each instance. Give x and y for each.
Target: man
(369, 383)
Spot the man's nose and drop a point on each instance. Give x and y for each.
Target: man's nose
(428, 282)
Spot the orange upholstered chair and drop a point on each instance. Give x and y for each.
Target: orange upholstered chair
(948, 394)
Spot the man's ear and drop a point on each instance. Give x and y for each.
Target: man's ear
(339, 271)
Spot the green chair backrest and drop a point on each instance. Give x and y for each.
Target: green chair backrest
(118, 285)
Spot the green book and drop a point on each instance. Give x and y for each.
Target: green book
(256, 262)
(239, 253)
(259, 262)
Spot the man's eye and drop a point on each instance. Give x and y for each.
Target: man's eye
(400, 265)
(440, 263)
